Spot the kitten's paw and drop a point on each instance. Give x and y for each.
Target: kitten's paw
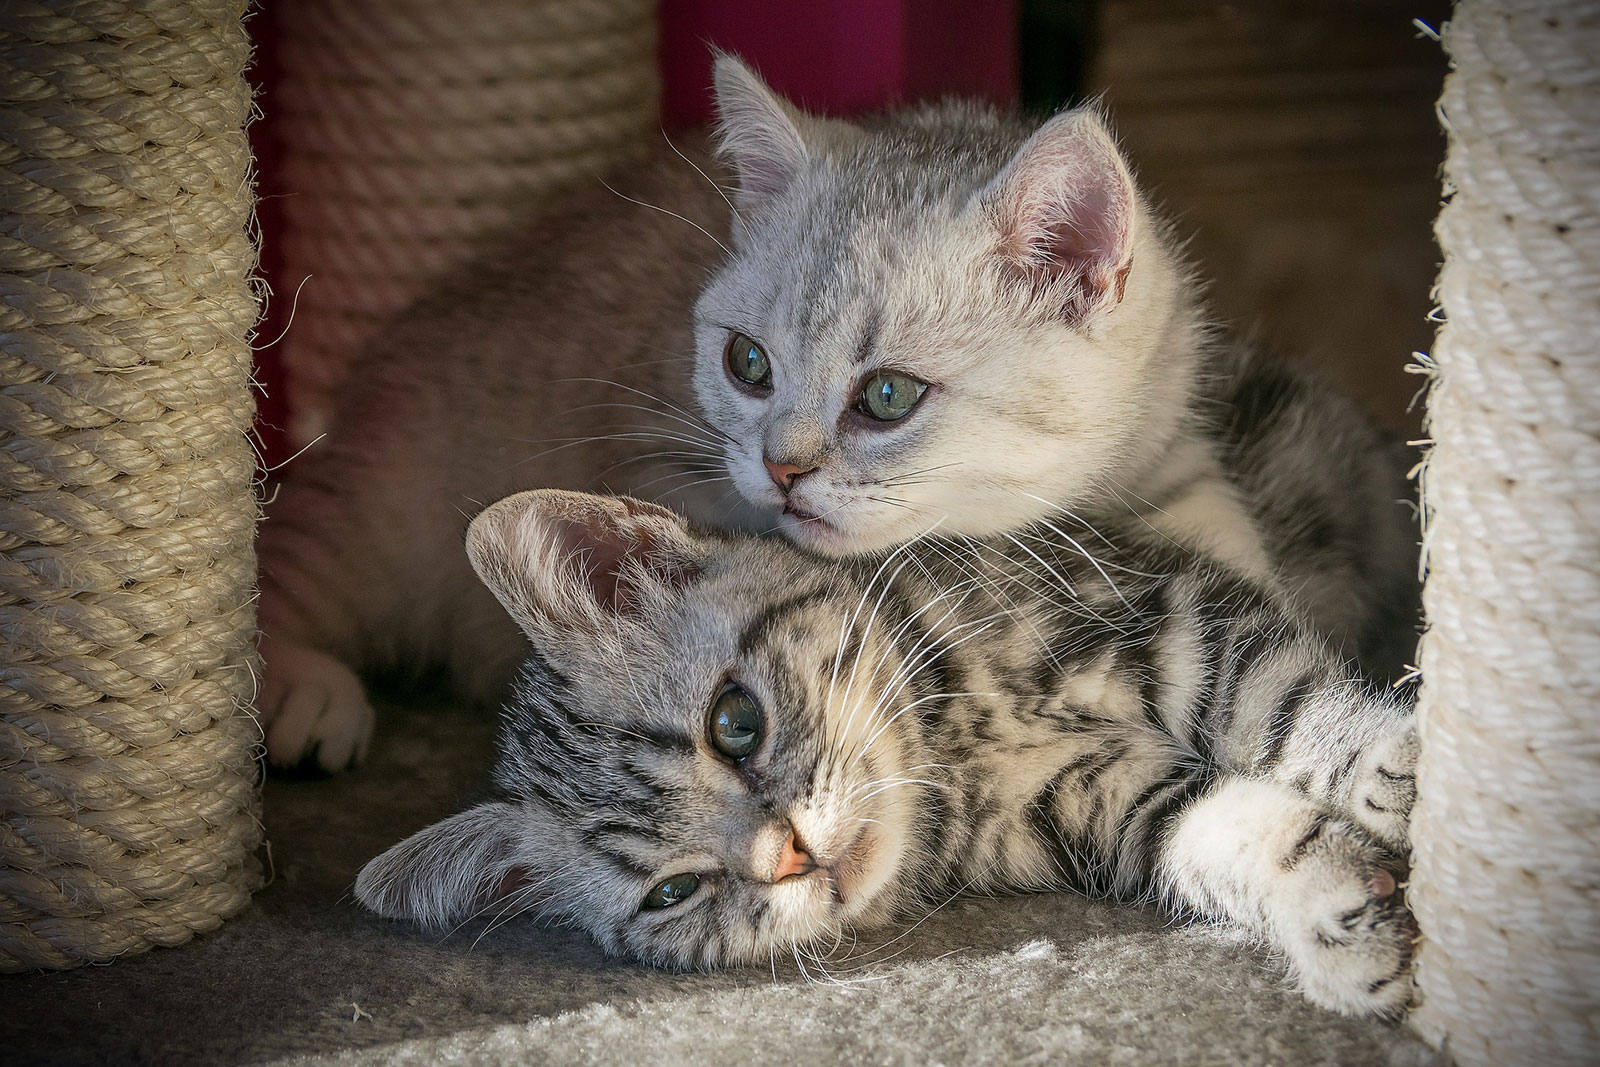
(1386, 788)
(314, 708)
(1345, 926)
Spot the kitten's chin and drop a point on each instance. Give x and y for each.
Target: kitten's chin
(825, 538)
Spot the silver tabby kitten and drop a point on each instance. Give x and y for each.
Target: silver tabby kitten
(723, 748)
(943, 319)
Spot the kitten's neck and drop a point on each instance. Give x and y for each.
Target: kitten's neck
(1173, 480)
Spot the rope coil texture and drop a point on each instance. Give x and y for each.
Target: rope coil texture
(415, 131)
(128, 800)
(1506, 876)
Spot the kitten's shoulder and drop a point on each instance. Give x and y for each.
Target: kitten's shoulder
(602, 268)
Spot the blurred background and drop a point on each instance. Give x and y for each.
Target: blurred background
(1295, 143)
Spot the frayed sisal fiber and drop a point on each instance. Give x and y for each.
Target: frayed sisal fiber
(415, 131)
(128, 790)
(1506, 877)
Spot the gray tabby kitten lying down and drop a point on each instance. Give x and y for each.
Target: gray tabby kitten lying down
(723, 749)
(940, 320)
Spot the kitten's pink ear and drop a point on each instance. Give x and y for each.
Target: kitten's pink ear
(566, 563)
(452, 870)
(758, 131)
(1064, 206)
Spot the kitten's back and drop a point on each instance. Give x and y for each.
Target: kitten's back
(1329, 492)
(495, 382)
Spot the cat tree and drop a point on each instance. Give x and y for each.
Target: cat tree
(415, 130)
(127, 788)
(128, 799)
(1506, 876)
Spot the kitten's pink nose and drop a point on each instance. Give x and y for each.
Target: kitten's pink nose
(793, 859)
(784, 474)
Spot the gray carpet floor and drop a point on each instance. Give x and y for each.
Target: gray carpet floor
(305, 976)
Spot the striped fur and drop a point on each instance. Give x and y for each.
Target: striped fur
(1065, 708)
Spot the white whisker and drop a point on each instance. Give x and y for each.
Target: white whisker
(655, 207)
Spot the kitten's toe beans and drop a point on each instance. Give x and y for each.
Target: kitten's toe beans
(316, 711)
(1386, 788)
(1350, 936)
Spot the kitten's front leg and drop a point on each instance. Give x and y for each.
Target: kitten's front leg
(1295, 712)
(1316, 886)
(1349, 747)
(1383, 788)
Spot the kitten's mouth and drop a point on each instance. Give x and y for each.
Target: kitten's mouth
(808, 529)
(800, 514)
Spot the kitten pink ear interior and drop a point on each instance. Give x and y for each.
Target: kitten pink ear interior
(1065, 207)
(601, 543)
(756, 131)
(562, 562)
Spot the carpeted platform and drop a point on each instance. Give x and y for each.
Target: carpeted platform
(305, 976)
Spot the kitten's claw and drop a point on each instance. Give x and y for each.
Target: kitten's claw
(315, 710)
(1347, 931)
(1386, 788)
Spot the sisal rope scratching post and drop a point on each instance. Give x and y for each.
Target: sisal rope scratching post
(127, 772)
(414, 129)
(1506, 881)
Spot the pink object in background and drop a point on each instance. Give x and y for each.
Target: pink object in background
(840, 56)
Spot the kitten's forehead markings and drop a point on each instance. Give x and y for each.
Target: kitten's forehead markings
(760, 628)
(656, 770)
(871, 327)
(832, 265)
(619, 825)
(624, 863)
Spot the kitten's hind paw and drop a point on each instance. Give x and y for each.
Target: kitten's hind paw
(1386, 788)
(1350, 937)
(314, 708)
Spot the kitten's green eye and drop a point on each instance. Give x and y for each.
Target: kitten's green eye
(889, 395)
(747, 362)
(675, 890)
(735, 723)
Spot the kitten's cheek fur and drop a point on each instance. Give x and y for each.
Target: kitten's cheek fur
(870, 873)
(869, 899)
